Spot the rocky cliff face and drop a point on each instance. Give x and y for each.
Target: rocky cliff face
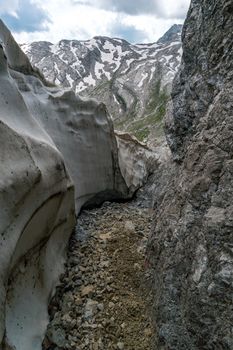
(134, 81)
(191, 244)
(46, 133)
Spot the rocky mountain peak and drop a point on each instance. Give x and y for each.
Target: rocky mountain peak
(173, 34)
(131, 79)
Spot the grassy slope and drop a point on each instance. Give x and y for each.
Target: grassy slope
(153, 115)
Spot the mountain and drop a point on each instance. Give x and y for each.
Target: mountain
(133, 80)
(171, 35)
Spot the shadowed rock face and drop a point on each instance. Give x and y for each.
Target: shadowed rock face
(171, 35)
(191, 245)
(206, 68)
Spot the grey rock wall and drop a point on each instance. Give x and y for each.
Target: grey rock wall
(191, 243)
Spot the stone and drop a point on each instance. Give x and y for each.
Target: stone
(87, 290)
(95, 346)
(58, 337)
(90, 308)
(111, 305)
(120, 346)
(105, 236)
(100, 307)
(129, 226)
(148, 332)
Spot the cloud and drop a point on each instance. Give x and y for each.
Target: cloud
(174, 9)
(161, 9)
(24, 15)
(82, 19)
(70, 22)
(128, 32)
(9, 7)
(134, 7)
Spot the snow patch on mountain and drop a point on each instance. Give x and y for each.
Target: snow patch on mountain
(87, 62)
(126, 77)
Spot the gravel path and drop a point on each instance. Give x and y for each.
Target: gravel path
(102, 301)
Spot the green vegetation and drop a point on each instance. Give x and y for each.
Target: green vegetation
(142, 134)
(120, 124)
(152, 119)
(121, 101)
(153, 116)
(158, 99)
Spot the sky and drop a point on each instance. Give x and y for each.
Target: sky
(137, 21)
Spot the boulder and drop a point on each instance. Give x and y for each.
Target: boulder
(136, 160)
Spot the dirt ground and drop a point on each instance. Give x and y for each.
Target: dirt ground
(103, 300)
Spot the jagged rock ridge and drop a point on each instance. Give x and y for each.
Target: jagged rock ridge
(191, 244)
(134, 81)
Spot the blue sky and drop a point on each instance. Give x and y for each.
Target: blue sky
(27, 17)
(53, 20)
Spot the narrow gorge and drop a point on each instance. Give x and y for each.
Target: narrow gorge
(59, 154)
(116, 228)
